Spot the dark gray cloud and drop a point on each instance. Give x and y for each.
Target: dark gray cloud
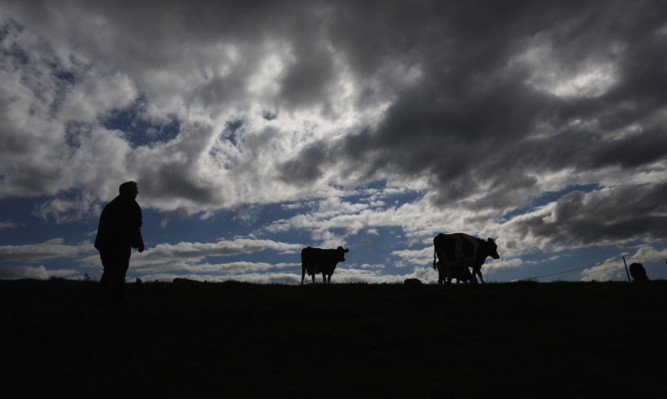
(579, 219)
(474, 119)
(308, 167)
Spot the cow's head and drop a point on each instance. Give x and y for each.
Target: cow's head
(492, 249)
(341, 253)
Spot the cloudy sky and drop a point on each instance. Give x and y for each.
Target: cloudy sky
(256, 128)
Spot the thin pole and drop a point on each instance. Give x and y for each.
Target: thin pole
(626, 270)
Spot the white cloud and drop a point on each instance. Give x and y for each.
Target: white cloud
(367, 266)
(96, 94)
(66, 210)
(590, 80)
(188, 256)
(50, 249)
(8, 225)
(609, 270)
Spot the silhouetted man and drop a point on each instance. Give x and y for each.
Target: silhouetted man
(118, 232)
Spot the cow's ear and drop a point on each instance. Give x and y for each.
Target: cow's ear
(491, 240)
(347, 250)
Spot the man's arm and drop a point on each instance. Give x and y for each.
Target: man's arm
(139, 240)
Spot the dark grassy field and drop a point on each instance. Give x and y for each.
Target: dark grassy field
(365, 341)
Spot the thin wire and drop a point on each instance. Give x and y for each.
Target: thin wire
(572, 270)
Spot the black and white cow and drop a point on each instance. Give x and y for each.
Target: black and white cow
(316, 260)
(459, 251)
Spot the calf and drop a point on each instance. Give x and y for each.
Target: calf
(316, 260)
(463, 276)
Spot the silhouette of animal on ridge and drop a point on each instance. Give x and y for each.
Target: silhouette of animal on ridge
(459, 251)
(464, 275)
(317, 260)
(638, 272)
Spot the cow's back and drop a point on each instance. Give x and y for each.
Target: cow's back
(456, 247)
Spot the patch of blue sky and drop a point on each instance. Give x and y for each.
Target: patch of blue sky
(380, 194)
(377, 185)
(140, 130)
(160, 228)
(21, 213)
(231, 130)
(74, 131)
(375, 249)
(62, 74)
(226, 224)
(269, 116)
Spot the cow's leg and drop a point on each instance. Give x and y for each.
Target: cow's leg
(470, 277)
(303, 274)
(479, 273)
(313, 277)
(462, 277)
(448, 270)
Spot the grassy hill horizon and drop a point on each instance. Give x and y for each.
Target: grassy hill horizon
(191, 339)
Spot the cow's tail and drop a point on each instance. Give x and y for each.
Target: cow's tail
(434, 262)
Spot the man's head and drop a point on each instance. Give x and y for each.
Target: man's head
(129, 189)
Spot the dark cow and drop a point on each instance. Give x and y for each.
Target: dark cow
(456, 252)
(316, 260)
(638, 272)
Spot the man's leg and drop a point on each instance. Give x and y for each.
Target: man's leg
(115, 265)
(117, 285)
(103, 287)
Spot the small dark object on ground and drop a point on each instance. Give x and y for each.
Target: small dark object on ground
(638, 272)
(180, 280)
(412, 281)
